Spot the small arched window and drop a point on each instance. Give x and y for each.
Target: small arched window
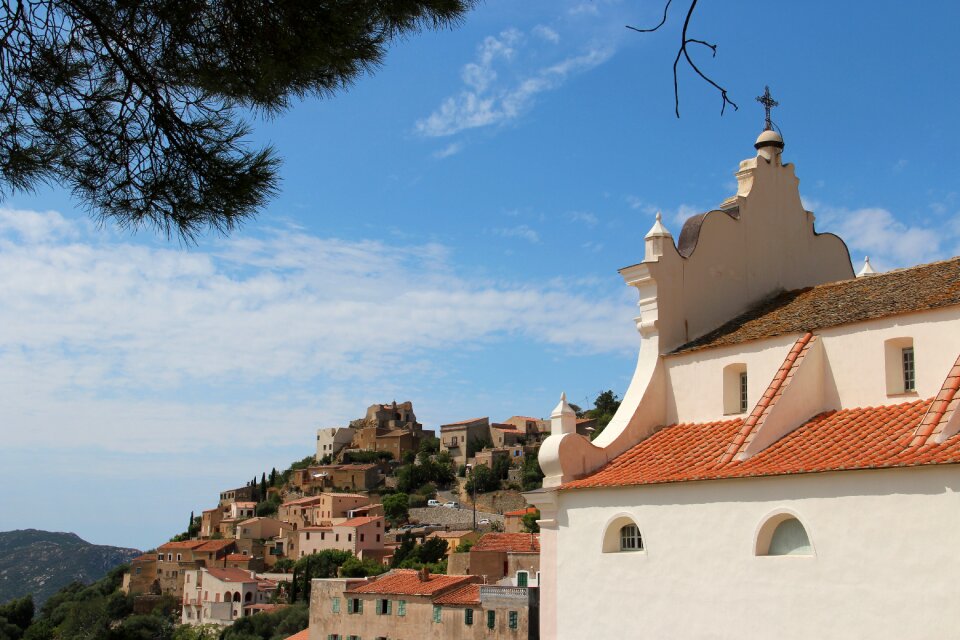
(783, 535)
(630, 539)
(622, 534)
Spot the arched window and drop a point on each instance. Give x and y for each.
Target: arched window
(783, 535)
(236, 596)
(247, 596)
(622, 534)
(630, 539)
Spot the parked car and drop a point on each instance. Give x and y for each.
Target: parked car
(484, 521)
(433, 503)
(452, 505)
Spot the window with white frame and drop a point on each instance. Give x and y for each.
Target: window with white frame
(909, 369)
(735, 389)
(630, 539)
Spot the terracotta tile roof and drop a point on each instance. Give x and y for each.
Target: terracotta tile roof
(861, 438)
(524, 418)
(230, 574)
(509, 542)
(215, 545)
(467, 595)
(928, 286)
(346, 495)
(521, 512)
(300, 635)
(408, 582)
(303, 501)
(186, 544)
(237, 557)
(357, 466)
(449, 534)
(316, 528)
(146, 557)
(359, 522)
(462, 422)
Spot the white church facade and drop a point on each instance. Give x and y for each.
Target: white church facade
(784, 462)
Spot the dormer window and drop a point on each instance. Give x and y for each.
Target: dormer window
(901, 366)
(909, 371)
(735, 396)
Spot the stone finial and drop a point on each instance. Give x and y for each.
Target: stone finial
(867, 269)
(655, 239)
(563, 420)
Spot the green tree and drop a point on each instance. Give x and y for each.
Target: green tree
(604, 406)
(323, 564)
(530, 522)
(269, 626)
(356, 568)
(18, 612)
(482, 480)
(136, 106)
(532, 474)
(478, 443)
(396, 507)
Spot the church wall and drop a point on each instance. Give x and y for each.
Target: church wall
(884, 564)
(854, 371)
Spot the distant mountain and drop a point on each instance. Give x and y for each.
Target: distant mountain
(42, 562)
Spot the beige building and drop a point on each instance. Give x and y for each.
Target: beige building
(502, 558)
(410, 604)
(786, 460)
(298, 513)
(456, 437)
(258, 528)
(222, 595)
(143, 576)
(513, 520)
(357, 535)
(331, 440)
(233, 495)
(335, 507)
(455, 538)
(210, 522)
(505, 435)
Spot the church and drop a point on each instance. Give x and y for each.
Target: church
(784, 461)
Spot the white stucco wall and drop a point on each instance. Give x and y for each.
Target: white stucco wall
(884, 564)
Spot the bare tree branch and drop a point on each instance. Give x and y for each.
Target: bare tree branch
(684, 53)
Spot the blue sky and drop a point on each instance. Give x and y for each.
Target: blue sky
(448, 232)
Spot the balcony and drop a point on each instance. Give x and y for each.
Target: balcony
(503, 593)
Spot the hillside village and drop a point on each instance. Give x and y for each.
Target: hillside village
(442, 514)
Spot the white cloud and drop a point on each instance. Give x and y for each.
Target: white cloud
(520, 231)
(889, 242)
(451, 149)
(137, 348)
(487, 100)
(546, 33)
(584, 217)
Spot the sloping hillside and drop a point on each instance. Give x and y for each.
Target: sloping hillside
(41, 562)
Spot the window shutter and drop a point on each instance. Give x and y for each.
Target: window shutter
(389, 607)
(468, 616)
(359, 606)
(350, 605)
(379, 606)
(513, 619)
(401, 607)
(491, 619)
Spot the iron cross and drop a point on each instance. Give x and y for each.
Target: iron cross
(768, 103)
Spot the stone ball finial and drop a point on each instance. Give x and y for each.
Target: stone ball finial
(769, 138)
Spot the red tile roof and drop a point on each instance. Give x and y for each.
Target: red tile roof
(467, 595)
(300, 635)
(186, 544)
(462, 422)
(509, 542)
(215, 545)
(231, 574)
(862, 438)
(238, 557)
(146, 557)
(359, 522)
(928, 286)
(408, 582)
(307, 501)
(521, 512)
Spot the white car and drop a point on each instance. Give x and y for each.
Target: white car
(452, 505)
(484, 521)
(433, 503)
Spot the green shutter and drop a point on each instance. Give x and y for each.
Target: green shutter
(491, 619)
(350, 605)
(379, 603)
(359, 606)
(389, 607)
(436, 613)
(401, 607)
(513, 619)
(336, 605)
(468, 616)
(522, 578)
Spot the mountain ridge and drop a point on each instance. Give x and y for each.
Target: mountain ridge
(38, 562)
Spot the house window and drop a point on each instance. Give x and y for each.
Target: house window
(335, 605)
(361, 537)
(909, 371)
(169, 557)
(783, 535)
(384, 607)
(349, 537)
(436, 613)
(137, 571)
(513, 619)
(735, 399)
(523, 578)
(630, 539)
(453, 441)
(178, 557)
(468, 616)
(491, 619)
(354, 605)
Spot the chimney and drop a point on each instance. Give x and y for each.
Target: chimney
(424, 575)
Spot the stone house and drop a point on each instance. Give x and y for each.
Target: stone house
(143, 575)
(502, 558)
(222, 595)
(456, 436)
(513, 520)
(414, 604)
(210, 521)
(336, 506)
(331, 440)
(505, 435)
(233, 495)
(356, 477)
(298, 513)
(357, 535)
(786, 460)
(455, 538)
(259, 528)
